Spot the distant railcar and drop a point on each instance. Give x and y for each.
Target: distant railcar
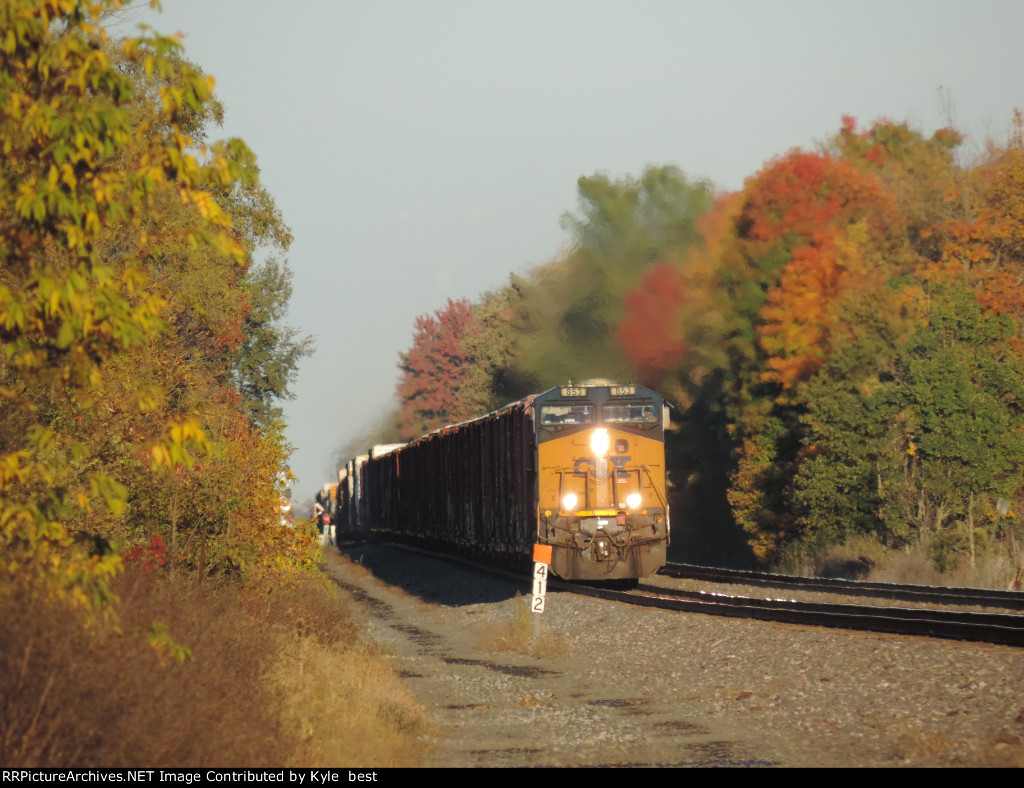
(326, 510)
(580, 468)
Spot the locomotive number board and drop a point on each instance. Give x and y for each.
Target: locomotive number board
(581, 391)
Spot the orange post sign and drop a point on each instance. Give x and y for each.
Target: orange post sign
(542, 554)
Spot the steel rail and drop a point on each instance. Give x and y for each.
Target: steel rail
(999, 628)
(1010, 600)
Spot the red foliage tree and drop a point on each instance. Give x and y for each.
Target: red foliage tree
(148, 559)
(651, 331)
(436, 370)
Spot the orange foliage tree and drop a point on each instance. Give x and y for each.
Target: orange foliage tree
(830, 226)
(856, 250)
(986, 246)
(816, 235)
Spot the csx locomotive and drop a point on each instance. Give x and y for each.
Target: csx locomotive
(580, 468)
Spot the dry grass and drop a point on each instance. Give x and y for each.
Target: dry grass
(935, 749)
(862, 557)
(523, 633)
(356, 569)
(347, 707)
(198, 675)
(913, 565)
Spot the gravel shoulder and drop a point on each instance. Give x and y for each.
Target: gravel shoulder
(613, 685)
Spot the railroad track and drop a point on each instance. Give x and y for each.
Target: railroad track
(983, 597)
(988, 627)
(985, 627)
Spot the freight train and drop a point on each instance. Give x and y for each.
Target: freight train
(580, 468)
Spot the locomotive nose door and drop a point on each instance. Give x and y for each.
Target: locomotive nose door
(603, 493)
(594, 470)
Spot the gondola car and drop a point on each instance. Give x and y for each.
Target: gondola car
(580, 468)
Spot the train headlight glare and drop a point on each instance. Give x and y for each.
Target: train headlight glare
(599, 442)
(569, 502)
(633, 500)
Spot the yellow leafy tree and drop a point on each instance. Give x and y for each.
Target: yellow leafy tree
(68, 305)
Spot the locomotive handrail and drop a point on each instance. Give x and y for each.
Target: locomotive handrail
(654, 484)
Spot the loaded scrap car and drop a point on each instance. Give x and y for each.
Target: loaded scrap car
(580, 468)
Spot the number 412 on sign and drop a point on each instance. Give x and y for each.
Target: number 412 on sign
(540, 586)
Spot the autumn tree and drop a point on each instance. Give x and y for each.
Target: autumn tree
(566, 320)
(432, 387)
(816, 236)
(120, 309)
(875, 325)
(651, 331)
(925, 449)
(920, 173)
(493, 347)
(986, 244)
(64, 308)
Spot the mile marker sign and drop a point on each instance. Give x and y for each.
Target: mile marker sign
(541, 564)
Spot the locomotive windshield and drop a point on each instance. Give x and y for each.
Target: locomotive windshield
(577, 413)
(643, 413)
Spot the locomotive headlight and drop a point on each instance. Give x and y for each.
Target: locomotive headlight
(569, 502)
(633, 500)
(599, 442)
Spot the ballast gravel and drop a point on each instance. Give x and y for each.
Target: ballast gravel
(616, 685)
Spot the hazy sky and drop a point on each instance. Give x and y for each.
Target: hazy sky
(422, 151)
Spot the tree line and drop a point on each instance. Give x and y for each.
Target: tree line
(841, 339)
(143, 284)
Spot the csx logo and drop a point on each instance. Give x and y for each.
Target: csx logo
(586, 465)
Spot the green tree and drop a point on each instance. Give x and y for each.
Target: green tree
(958, 390)
(268, 358)
(493, 347)
(567, 314)
(925, 449)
